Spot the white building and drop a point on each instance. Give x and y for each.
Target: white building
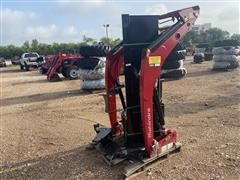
(201, 27)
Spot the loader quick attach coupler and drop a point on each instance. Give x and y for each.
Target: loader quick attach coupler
(147, 42)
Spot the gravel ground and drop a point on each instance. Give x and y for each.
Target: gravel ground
(45, 127)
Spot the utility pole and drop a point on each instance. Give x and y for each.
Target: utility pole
(106, 28)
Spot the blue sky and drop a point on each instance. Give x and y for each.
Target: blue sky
(68, 21)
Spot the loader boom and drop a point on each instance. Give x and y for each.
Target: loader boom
(147, 42)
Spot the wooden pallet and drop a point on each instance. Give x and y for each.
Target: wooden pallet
(137, 166)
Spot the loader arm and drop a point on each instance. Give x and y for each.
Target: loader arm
(152, 61)
(113, 68)
(140, 135)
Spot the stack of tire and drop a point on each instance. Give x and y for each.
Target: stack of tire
(203, 52)
(92, 67)
(173, 65)
(198, 58)
(226, 55)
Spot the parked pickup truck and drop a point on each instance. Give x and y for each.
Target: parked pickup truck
(28, 60)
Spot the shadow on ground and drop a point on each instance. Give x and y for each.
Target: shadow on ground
(77, 163)
(31, 82)
(203, 73)
(41, 97)
(10, 71)
(181, 108)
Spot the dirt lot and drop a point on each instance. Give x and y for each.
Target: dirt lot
(45, 127)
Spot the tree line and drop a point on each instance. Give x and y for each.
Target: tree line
(191, 39)
(10, 51)
(209, 36)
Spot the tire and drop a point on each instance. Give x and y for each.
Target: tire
(172, 64)
(228, 50)
(198, 58)
(225, 65)
(64, 72)
(72, 72)
(208, 56)
(93, 84)
(177, 53)
(42, 70)
(26, 67)
(21, 67)
(98, 51)
(226, 58)
(174, 74)
(178, 47)
(175, 56)
(88, 63)
(96, 74)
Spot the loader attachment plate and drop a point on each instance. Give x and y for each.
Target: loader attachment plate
(136, 166)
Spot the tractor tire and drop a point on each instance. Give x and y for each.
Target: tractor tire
(198, 58)
(64, 72)
(21, 67)
(172, 64)
(208, 56)
(88, 63)
(174, 74)
(26, 67)
(177, 53)
(226, 58)
(72, 72)
(175, 56)
(228, 50)
(97, 51)
(42, 70)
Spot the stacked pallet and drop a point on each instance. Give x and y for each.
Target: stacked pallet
(226, 55)
(173, 66)
(92, 67)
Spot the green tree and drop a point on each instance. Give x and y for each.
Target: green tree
(88, 40)
(236, 37)
(26, 46)
(216, 34)
(10, 51)
(210, 36)
(34, 45)
(110, 41)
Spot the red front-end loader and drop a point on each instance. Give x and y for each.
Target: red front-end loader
(65, 64)
(139, 136)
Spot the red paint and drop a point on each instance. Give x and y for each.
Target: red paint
(149, 75)
(113, 68)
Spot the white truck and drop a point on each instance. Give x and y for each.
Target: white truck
(29, 60)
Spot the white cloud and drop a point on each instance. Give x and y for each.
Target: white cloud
(70, 31)
(224, 16)
(71, 8)
(14, 16)
(156, 9)
(13, 22)
(19, 26)
(41, 32)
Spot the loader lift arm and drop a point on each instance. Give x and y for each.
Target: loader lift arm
(143, 51)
